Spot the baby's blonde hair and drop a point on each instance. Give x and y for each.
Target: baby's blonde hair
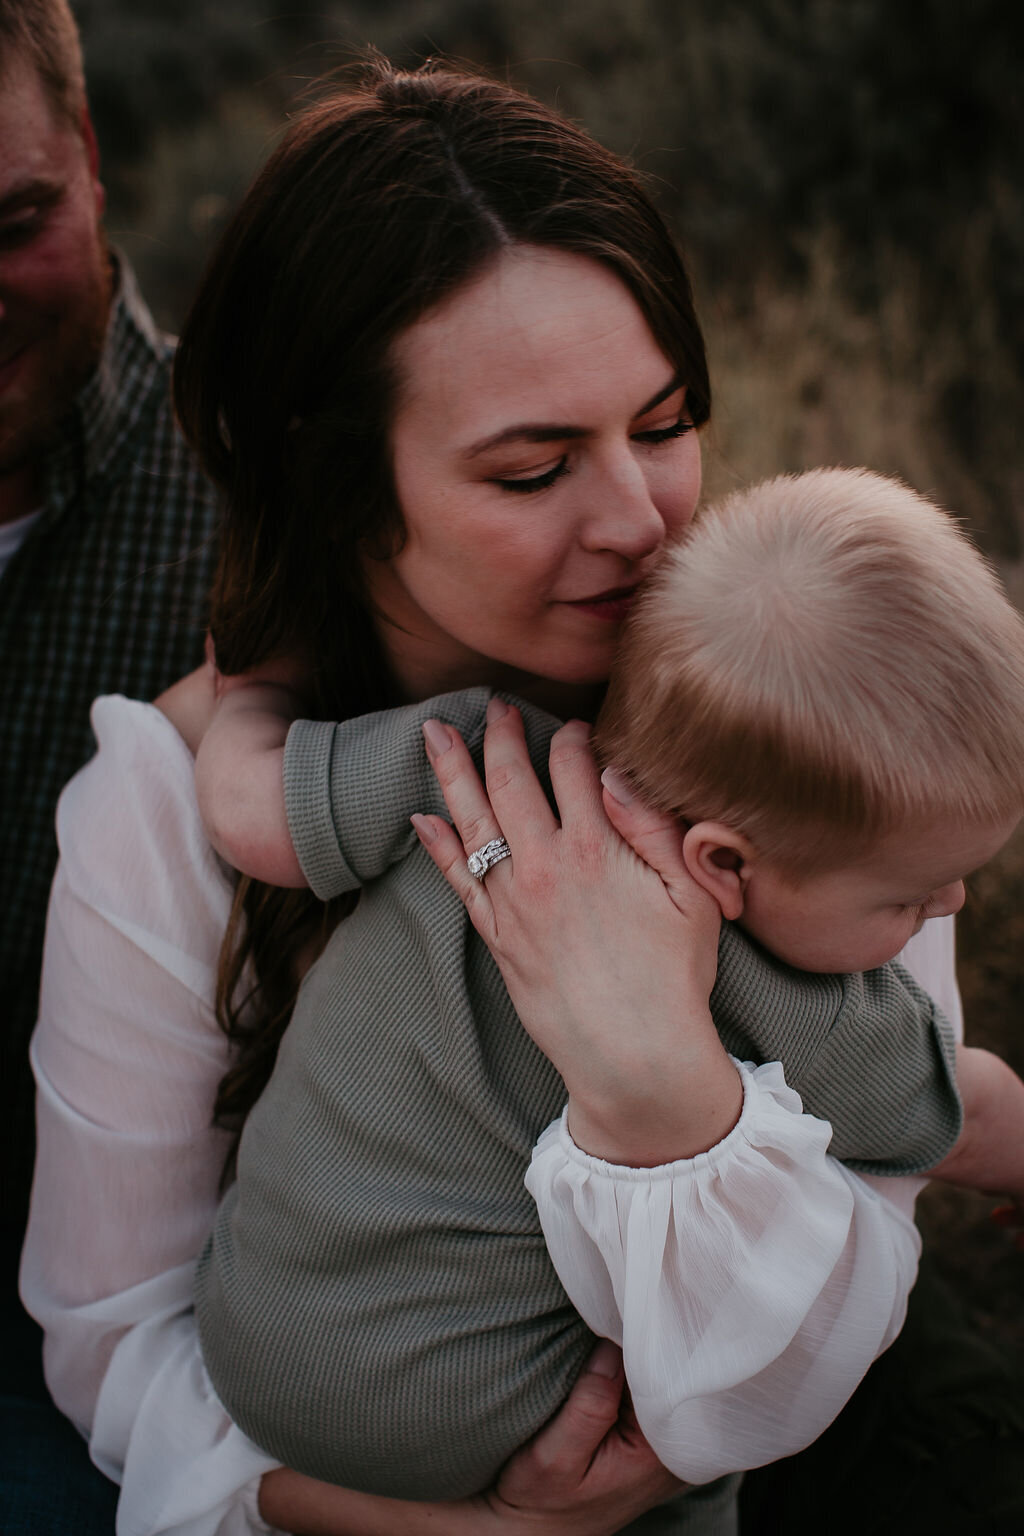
(821, 658)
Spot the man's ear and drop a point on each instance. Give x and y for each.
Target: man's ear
(92, 155)
(720, 860)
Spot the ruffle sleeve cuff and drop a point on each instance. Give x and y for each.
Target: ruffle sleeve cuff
(750, 1287)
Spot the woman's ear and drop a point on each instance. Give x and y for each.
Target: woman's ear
(720, 860)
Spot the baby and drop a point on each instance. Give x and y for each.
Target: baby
(826, 684)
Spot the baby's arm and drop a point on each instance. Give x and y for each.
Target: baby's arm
(352, 785)
(240, 781)
(989, 1152)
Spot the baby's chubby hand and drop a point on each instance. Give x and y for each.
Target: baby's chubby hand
(240, 771)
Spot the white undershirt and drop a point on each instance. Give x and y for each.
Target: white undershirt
(128, 1055)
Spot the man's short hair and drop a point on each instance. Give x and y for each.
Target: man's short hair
(822, 657)
(44, 34)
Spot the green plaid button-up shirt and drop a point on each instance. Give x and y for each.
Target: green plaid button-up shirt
(107, 595)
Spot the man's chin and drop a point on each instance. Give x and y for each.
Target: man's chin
(26, 435)
(33, 410)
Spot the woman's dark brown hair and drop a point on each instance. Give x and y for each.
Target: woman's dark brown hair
(379, 202)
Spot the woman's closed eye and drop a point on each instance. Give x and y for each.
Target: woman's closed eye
(655, 435)
(650, 437)
(523, 485)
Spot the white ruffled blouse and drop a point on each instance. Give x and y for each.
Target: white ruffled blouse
(750, 1287)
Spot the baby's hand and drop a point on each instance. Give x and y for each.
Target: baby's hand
(240, 775)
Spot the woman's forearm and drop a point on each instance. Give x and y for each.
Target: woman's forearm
(127, 1055)
(305, 1507)
(588, 1472)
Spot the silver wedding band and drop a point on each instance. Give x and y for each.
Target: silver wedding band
(491, 853)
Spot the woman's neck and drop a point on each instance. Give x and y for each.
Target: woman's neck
(566, 701)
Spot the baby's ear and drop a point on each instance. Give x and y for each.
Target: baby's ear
(719, 859)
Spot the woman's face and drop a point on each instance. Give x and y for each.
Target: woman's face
(542, 453)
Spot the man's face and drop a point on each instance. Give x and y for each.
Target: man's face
(54, 271)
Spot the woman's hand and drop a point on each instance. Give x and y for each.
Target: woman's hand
(589, 1470)
(587, 1473)
(609, 962)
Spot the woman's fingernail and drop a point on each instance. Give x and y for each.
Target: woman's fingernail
(617, 787)
(423, 829)
(438, 737)
(495, 709)
(606, 1360)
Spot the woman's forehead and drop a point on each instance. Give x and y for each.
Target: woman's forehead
(541, 332)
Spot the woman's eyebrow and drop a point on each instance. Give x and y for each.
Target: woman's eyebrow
(670, 388)
(551, 432)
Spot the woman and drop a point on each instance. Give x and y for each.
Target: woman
(446, 369)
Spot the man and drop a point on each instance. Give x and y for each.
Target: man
(106, 551)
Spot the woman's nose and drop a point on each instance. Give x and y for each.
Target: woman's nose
(621, 514)
(948, 900)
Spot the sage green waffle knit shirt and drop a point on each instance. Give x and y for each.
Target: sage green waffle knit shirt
(376, 1304)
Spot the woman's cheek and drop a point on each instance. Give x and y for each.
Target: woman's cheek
(675, 481)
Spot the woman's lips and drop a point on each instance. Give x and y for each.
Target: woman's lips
(613, 605)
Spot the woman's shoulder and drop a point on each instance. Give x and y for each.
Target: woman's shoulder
(128, 824)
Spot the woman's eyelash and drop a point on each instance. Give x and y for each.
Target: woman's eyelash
(657, 435)
(538, 482)
(665, 434)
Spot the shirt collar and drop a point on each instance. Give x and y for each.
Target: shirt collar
(121, 390)
(128, 385)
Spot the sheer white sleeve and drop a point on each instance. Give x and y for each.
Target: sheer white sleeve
(127, 1056)
(750, 1287)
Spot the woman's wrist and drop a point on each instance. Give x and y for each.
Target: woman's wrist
(687, 1106)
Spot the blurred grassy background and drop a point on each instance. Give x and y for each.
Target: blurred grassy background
(845, 176)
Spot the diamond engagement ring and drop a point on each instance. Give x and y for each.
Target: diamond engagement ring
(491, 853)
